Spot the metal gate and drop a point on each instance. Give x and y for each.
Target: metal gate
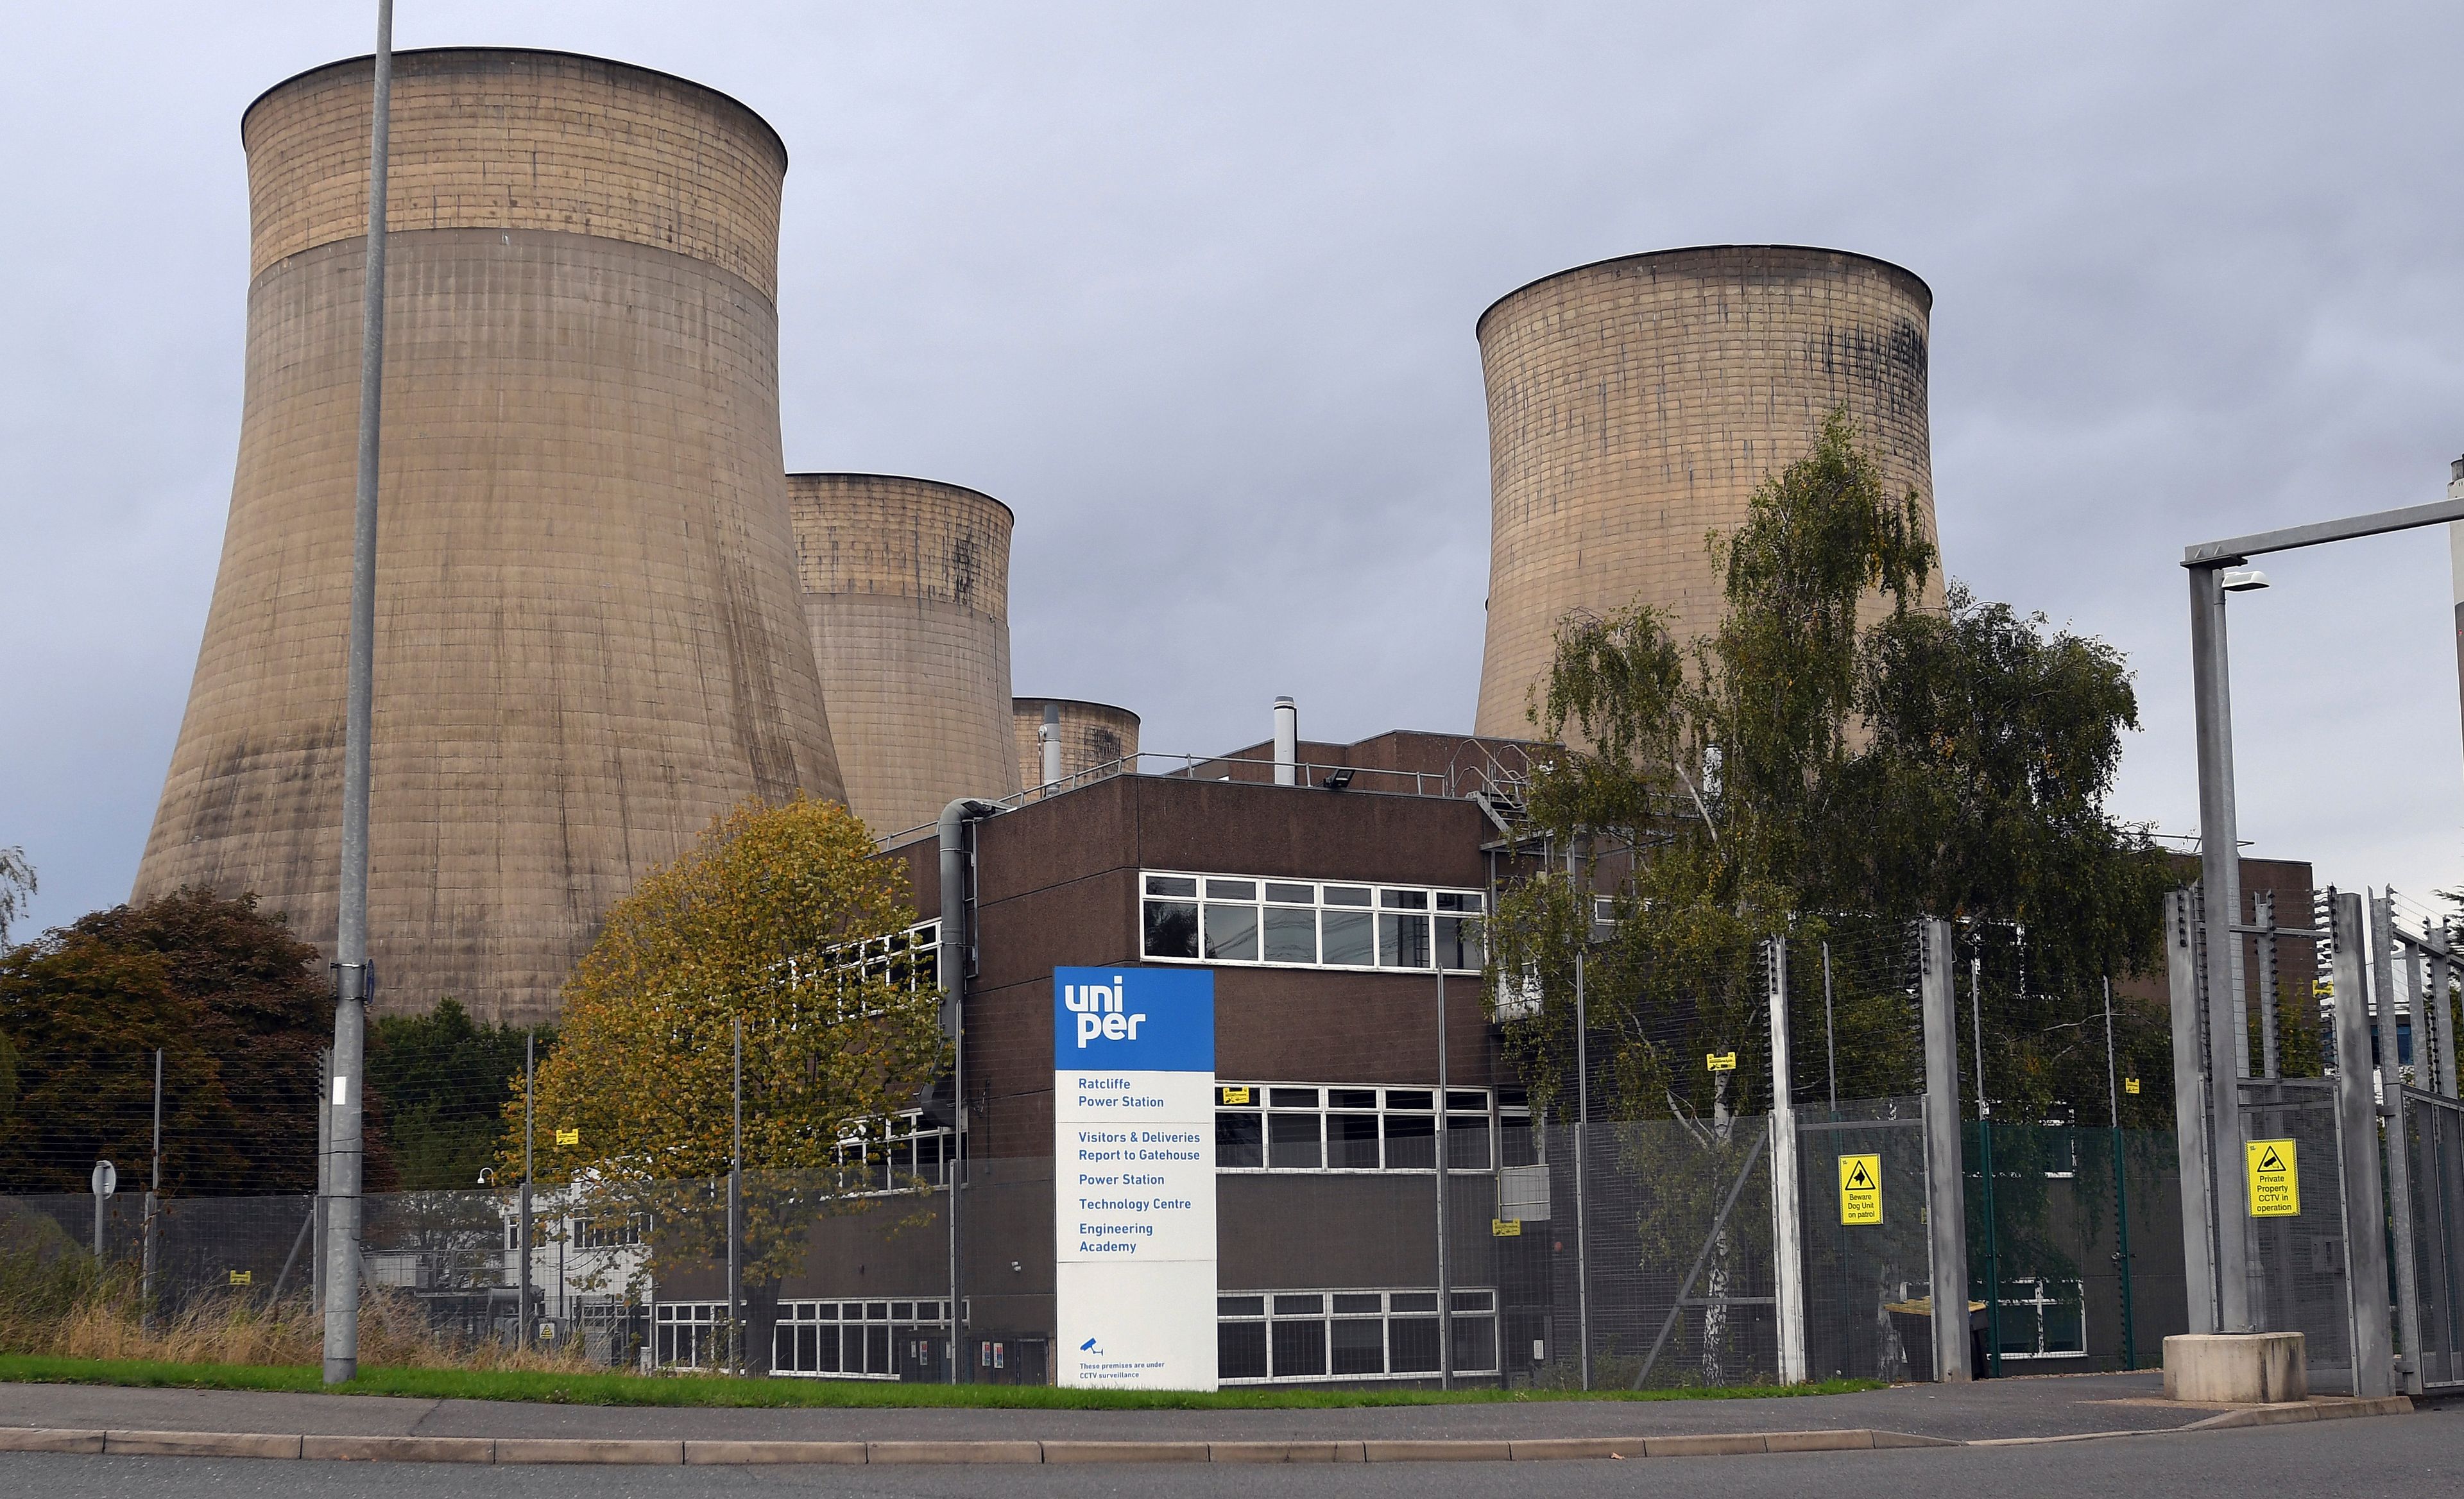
(2299, 1272)
(1867, 1255)
(2425, 1220)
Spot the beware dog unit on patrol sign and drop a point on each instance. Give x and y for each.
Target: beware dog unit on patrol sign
(1134, 1176)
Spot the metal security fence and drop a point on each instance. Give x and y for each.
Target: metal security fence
(1868, 1277)
(2428, 1221)
(2300, 1270)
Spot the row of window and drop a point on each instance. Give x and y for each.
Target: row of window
(1237, 919)
(1277, 1127)
(851, 1339)
(1349, 1334)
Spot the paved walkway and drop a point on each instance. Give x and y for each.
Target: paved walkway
(1988, 1410)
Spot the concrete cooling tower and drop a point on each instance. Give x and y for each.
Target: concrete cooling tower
(906, 588)
(588, 639)
(1090, 735)
(1635, 405)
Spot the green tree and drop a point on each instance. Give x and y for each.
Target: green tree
(443, 1081)
(1832, 761)
(17, 884)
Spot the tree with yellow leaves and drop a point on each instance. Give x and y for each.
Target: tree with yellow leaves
(757, 924)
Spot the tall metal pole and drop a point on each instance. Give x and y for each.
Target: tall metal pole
(2120, 1188)
(2357, 1140)
(1788, 1216)
(2220, 885)
(1985, 1165)
(2191, 1113)
(1446, 1148)
(153, 1196)
(530, 1078)
(351, 931)
(1582, 1127)
(736, 1215)
(1946, 1202)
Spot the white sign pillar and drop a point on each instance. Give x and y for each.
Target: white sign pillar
(1133, 1178)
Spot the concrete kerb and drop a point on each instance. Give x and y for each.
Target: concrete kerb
(744, 1453)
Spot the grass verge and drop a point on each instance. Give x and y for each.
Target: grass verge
(558, 1388)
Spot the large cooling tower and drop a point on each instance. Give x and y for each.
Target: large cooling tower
(588, 639)
(906, 586)
(1635, 405)
(1093, 734)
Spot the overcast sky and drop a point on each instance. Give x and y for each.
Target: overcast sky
(1192, 288)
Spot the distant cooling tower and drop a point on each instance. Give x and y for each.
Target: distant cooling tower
(588, 638)
(906, 586)
(1635, 405)
(1093, 734)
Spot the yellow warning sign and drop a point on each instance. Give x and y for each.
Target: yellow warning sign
(1506, 1228)
(1720, 1061)
(2274, 1185)
(1860, 1189)
(2130, 1085)
(243, 1277)
(568, 1137)
(1232, 1095)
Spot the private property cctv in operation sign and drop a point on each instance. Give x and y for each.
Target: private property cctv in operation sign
(1134, 1176)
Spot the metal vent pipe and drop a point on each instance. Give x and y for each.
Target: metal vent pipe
(1287, 742)
(1049, 737)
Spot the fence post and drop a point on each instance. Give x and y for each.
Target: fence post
(1946, 1202)
(2190, 1113)
(736, 1215)
(1582, 1126)
(153, 1200)
(2357, 1141)
(1788, 1227)
(523, 1229)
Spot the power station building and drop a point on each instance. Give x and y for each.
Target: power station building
(906, 586)
(590, 635)
(1635, 404)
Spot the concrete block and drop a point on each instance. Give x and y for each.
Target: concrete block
(200, 1444)
(1725, 1444)
(399, 1450)
(724, 1454)
(2235, 1367)
(1124, 1452)
(591, 1449)
(49, 1439)
(1439, 1451)
(953, 1452)
(1281, 1451)
(1554, 1449)
(1857, 1439)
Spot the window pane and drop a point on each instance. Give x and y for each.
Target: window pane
(1474, 1300)
(1410, 1142)
(826, 1350)
(851, 1349)
(1231, 890)
(1241, 1350)
(1347, 894)
(1292, 1097)
(1458, 900)
(1475, 1344)
(1172, 928)
(1516, 1144)
(1292, 935)
(1467, 1101)
(1350, 938)
(902, 1311)
(1239, 1306)
(1358, 1304)
(1403, 899)
(1403, 941)
(1292, 1141)
(1293, 895)
(1458, 942)
(1466, 1143)
(876, 1349)
(1232, 932)
(1416, 1301)
(1351, 1142)
(2065, 1332)
(1414, 1344)
(1300, 1349)
(1410, 1098)
(1299, 1306)
(873, 1311)
(1360, 1346)
(1351, 1097)
(1171, 885)
(1240, 1141)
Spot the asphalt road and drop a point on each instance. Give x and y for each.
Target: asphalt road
(2406, 1457)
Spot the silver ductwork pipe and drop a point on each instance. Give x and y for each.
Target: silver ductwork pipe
(1048, 736)
(1287, 742)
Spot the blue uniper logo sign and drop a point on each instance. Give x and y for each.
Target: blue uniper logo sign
(1133, 1020)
